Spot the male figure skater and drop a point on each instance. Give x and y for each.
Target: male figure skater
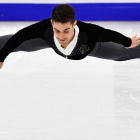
(70, 38)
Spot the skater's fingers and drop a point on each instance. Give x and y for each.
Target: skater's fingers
(1, 64)
(138, 38)
(137, 41)
(135, 35)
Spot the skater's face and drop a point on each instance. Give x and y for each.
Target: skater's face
(64, 32)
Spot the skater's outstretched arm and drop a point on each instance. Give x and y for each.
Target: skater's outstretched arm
(102, 34)
(35, 30)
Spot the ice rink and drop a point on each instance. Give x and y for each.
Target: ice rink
(44, 96)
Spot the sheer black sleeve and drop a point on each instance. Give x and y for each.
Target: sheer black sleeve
(106, 35)
(32, 31)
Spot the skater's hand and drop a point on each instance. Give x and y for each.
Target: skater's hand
(1, 64)
(135, 41)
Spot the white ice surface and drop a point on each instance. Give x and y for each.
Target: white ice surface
(44, 96)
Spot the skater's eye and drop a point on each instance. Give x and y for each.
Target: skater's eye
(58, 32)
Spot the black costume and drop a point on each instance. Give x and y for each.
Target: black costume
(93, 40)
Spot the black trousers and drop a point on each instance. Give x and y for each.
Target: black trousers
(115, 51)
(104, 50)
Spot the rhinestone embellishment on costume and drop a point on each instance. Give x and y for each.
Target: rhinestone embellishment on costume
(83, 48)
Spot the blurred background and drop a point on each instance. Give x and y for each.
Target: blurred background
(92, 10)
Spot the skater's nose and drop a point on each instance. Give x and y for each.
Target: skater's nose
(61, 36)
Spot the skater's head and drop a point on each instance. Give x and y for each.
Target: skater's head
(63, 13)
(63, 22)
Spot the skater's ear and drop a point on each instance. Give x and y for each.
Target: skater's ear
(75, 22)
(51, 21)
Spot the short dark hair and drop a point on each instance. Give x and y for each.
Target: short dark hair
(63, 13)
